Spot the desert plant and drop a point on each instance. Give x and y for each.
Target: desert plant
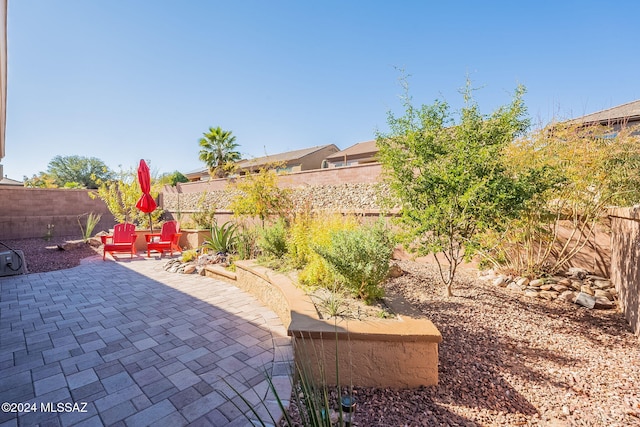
(49, 233)
(260, 196)
(273, 240)
(590, 168)
(306, 231)
(361, 258)
(223, 238)
(314, 398)
(91, 222)
(246, 242)
(205, 215)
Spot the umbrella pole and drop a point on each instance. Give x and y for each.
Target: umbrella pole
(150, 223)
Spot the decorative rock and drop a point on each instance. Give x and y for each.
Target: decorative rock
(531, 293)
(189, 269)
(514, 287)
(546, 287)
(586, 300)
(500, 281)
(559, 288)
(587, 289)
(70, 245)
(567, 296)
(395, 271)
(537, 282)
(602, 284)
(564, 281)
(549, 295)
(576, 284)
(522, 282)
(487, 275)
(599, 293)
(602, 303)
(577, 272)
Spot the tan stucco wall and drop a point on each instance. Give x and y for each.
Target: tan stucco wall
(625, 261)
(399, 353)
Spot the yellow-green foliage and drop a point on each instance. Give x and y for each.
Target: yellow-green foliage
(260, 196)
(189, 255)
(121, 196)
(308, 230)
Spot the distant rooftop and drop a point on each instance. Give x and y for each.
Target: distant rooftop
(621, 113)
(288, 156)
(367, 147)
(8, 181)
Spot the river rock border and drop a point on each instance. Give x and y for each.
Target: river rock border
(576, 286)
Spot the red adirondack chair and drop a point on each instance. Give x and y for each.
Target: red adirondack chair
(166, 240)
(123, 240)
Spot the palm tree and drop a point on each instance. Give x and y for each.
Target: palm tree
(218, 151)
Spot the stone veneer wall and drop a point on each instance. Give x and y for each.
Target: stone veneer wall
(353, 189)
(625, 261)
(26, 212)
(348, 197)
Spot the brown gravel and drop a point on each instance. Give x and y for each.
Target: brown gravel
(43, 255)
(505, 360)
(512, 361)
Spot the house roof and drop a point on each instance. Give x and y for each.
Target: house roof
(628, 111)
(9, 181)
(367, 147)
(289, 156)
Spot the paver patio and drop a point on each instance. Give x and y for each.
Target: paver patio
(134, 345)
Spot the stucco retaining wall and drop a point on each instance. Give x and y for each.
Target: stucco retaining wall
(625, 261)
(400, 352)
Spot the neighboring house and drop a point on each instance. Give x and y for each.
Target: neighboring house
(291, 161)
(360, 153)
(9, 181)
(617, 117)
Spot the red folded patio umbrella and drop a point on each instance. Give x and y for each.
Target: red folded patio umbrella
(146, 203)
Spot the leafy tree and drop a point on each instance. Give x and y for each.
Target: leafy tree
(121, 196)
(450, 177)
(43, 180)
(172, 178)
(260, 196)
(218, 151)
(82, 172)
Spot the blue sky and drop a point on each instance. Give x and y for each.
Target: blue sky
(122, 80)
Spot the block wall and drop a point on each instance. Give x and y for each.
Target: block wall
(27, 212)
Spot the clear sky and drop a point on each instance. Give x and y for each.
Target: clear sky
(122, 80)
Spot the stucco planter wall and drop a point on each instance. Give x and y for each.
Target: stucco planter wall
(398, 353)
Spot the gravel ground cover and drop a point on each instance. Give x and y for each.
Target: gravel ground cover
(505, 359)
(44, 255)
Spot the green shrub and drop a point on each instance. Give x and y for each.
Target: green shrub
(189, 255)
(273, 240)
(361, 258)
(246, 242)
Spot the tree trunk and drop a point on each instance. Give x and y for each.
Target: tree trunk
(447, 291)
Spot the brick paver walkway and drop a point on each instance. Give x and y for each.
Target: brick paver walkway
(129, 344)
